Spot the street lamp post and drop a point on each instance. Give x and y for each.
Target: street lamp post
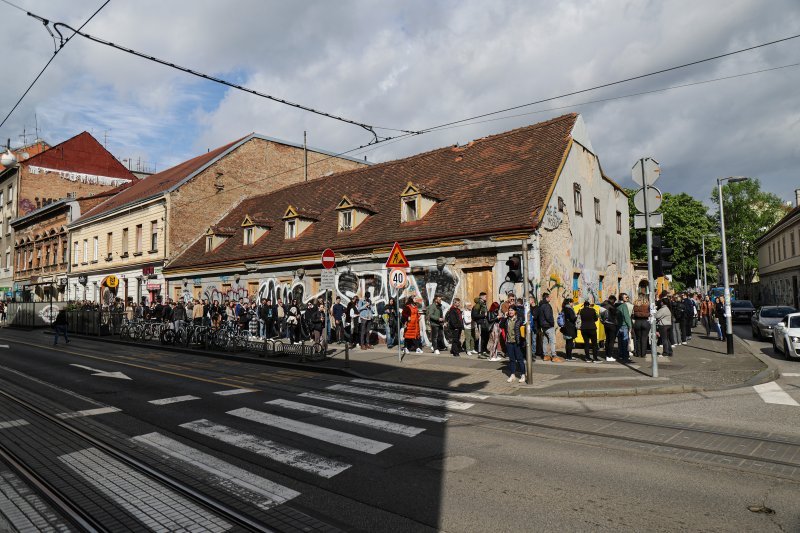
(705, 276)
(728, 317)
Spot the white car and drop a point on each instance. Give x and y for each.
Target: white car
(787, 336)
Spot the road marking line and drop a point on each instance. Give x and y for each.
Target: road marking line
(303, 460)
(383, 425)
(89, 412)
(400, 411)
(13, 423)
(417, 388)
(397, 396)
(23, 508)
(174, 399)
(231, 392)
(332, 436)
(4, 346)
(790, 374)
(773, 393)
(146, 500)
(243, 484)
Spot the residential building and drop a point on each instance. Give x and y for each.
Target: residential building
(461, 214)
(77, 167)
(133, 234)
(779, 260)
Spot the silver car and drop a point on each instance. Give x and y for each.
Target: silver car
(766, 318)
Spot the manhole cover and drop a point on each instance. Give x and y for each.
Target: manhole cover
(589, 370)
(452, 463)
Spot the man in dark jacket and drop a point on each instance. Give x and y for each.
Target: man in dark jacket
(60, 326)
(436, 319)
(688, 317)
(547, 324)
(589, 317)
(608, 317)
(455, 323)
(479, 318)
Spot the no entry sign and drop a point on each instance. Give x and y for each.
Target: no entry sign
(328, 259)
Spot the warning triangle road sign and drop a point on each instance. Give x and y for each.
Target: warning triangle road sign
(397, 259)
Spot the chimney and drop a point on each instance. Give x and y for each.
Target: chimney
(797, 197)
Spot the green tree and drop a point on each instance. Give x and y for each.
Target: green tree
(686, 220)
(749, 212)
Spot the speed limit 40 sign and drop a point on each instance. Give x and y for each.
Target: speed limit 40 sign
(398, 278)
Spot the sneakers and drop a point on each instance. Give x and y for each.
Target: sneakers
(436, 352)
(510, 379)
(495, 359)
(547, 358)
(556, 359)
(419, 350)
(684, 342)
(522, 379)
(610, 359)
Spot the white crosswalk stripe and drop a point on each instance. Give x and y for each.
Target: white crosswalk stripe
(397, 396)
(243, 484)
(23, 509)
(146, 500)
(391, 427)
(417, 388)
(409, 412)
(293, 457)
(232, 392)
(5, 424)
(790, 374)
(174, 399)
(332, 436)
(773, 393)
(89, 412)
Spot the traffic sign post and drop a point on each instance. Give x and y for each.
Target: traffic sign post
(327, 281)
(397, 259)
(328, 259)
(398, 278)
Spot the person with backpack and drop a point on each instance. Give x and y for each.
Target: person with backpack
(588, 328)
(455, 323)
(514, 341)
(623, 310)
(641, 325)
(548, 327)
(568, 323)
(664, 324)
(608, 317)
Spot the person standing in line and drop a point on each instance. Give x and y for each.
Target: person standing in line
(608, 317)
(179, 315)
(623, 311)
(482, 329)
(664, 324)
(589, 318)
(455, 323)
(570, 328)
(516, 360)
(337, 313)
(364, 308)
(469, 333)
(676, 307)
(719, 315)
(436, 323)
(688, 317)
(641, 325)
(60, 326)
(493, 319)
(198, 312)
(317, 324)
(547, 324)
(707, 314)
(410, 318)
(390, 319)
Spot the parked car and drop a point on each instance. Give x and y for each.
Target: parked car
(742, 310)
(766, 317)
(786, 339)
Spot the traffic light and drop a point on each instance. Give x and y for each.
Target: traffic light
(661, 254)
(514, 265)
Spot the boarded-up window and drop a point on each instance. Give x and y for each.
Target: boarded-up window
(478, 280)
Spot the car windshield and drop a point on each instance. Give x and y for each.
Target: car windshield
(742, 304)
(794, 322)
(777, 312)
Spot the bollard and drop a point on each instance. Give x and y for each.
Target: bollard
(347, 355)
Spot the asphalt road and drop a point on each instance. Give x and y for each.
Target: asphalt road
(373, 457)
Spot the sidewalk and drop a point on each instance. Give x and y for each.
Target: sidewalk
(701, 365)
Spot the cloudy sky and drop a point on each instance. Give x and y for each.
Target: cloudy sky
(416, 64)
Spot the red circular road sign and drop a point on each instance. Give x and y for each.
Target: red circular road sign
(328, 258)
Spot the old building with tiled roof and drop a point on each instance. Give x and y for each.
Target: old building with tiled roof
(76, 168)
(133, 234)
(779, 261)
(459, 212)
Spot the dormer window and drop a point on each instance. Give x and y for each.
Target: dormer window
(291, 229)
(296, 221)
(248, 236)
(352, 212)
(254, 227)
(416, 201)
(216, 235)
(209, 243)
(346, 220)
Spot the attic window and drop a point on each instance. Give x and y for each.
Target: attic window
(209, 243)
(410, 209)
(291, 229)
(346, 220)
(248, 236)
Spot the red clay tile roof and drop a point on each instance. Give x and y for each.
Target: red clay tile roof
(497, 184)
(159, 183)
(84, 155)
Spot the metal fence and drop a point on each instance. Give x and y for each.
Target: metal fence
(81, 321)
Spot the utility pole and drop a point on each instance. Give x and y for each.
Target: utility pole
(650, 281)
(728, 317)
(527, 315)
(305, 157)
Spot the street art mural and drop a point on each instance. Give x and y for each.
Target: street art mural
(234, 293)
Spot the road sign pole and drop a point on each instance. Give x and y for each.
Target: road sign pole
(527, 314)
(399, 348)
(650, 280)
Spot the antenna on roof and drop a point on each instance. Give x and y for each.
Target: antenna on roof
(24, 137)
(305, 156)
(36, 125)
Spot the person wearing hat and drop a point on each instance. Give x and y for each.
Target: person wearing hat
(589, 316)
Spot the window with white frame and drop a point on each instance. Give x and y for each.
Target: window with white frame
(85, 250)
(291, 229)
(138, 239)
(346, 220)
(577, 198)
(153, 235)
(248, 236)
(95, 248)
(75, 253)
(410, 209)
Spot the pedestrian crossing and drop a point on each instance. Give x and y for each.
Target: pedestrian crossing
(321, 433)
(773, 393)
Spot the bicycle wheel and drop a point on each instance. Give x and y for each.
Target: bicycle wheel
(167, 336)
(316, 352)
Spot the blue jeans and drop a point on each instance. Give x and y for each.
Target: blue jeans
(516, 359)
(390, 340)
(60, 330)
(549, 341)
(622, 337)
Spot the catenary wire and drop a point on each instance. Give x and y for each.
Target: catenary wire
(14, 6)
(55, 53)
(367, 127)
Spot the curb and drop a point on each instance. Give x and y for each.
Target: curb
(771, 373)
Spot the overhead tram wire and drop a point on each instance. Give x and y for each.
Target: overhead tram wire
(391, 140)
(371, 129)
(55, 53)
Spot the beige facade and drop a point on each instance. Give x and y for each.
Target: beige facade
(134, 240)
(779, 261)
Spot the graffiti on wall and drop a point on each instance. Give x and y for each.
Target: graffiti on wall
(235, 292)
